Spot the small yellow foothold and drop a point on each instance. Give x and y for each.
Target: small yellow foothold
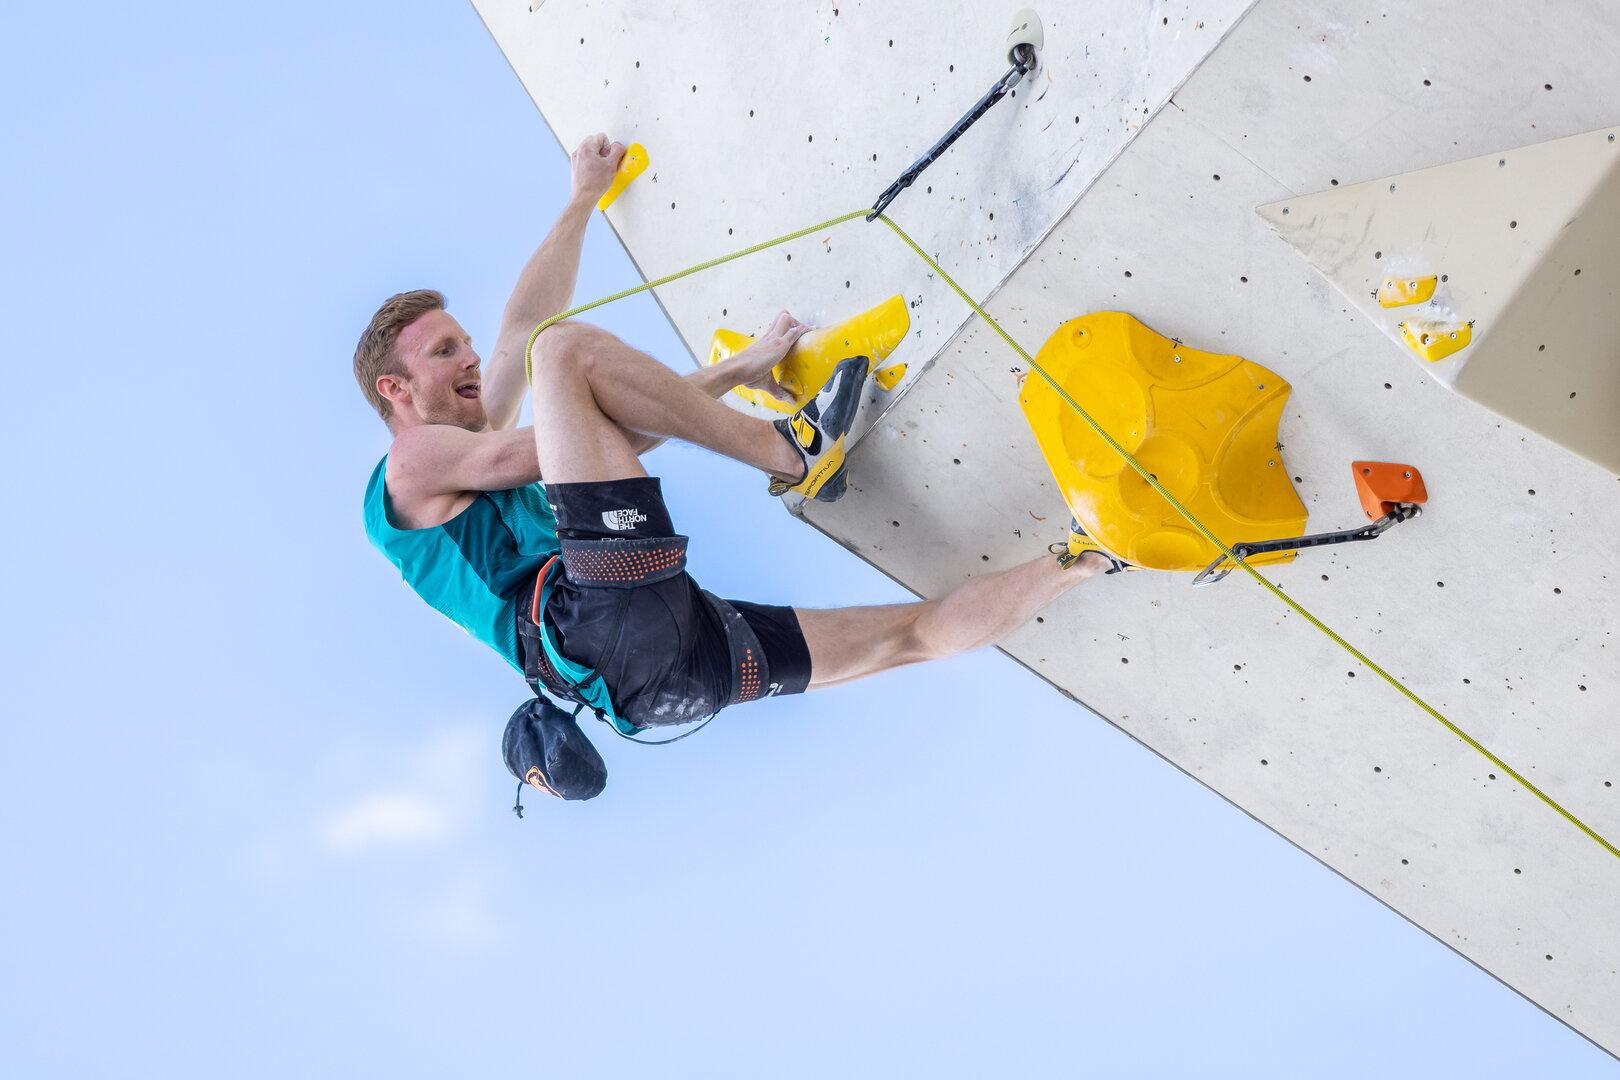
(1401, 291)
(632, 165)
(1436, 340)
(873, 333)
(890, 377)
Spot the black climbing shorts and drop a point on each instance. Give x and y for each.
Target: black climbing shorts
(624, 606)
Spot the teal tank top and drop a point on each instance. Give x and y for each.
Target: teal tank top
(474, 566)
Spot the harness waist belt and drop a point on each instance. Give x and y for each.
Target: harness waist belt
(623, 564)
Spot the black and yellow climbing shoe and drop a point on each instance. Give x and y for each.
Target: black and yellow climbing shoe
(1079, 544)
(817, 432)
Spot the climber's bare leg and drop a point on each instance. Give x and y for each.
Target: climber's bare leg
(853, 642)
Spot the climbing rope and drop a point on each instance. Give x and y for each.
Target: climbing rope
(528, 348)
(1125, 455)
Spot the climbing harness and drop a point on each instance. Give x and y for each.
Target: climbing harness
(549, 672)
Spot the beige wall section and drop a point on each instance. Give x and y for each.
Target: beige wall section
(1526, 244)
(1498, 604)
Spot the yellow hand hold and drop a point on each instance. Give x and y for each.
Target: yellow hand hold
(874, 333)
(1399, 292)
(1205, 425)
(890, 377)
(1436, 340)
(632, 165)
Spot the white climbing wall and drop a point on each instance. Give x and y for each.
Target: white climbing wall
(1127, 175)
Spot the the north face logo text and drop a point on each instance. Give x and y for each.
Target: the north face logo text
(622, 520)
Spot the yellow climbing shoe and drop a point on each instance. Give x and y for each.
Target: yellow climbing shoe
(817, 432)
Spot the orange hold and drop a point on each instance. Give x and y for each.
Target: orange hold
(1382, 484)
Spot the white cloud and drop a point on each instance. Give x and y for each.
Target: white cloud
(433, 797)
(385, 819)
(419, 826)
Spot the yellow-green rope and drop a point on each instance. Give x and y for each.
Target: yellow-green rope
(1125, 455)
(528, 348)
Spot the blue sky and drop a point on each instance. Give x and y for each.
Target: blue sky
(255, 821)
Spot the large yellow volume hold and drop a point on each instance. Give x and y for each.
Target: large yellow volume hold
(873, 333)
(632, 165)
(1203, 424)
